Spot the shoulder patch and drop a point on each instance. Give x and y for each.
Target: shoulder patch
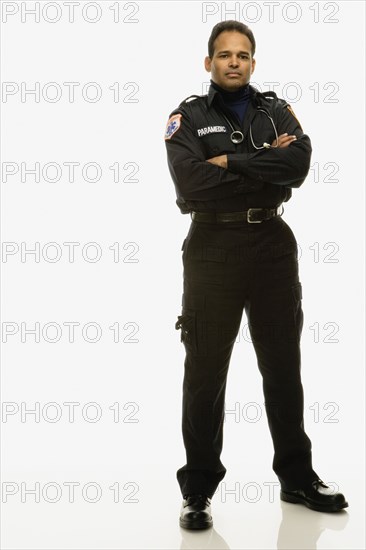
(172, 125)
(293, 114)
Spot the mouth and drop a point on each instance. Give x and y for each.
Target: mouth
(232, 74)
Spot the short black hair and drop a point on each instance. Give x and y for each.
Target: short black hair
(229, 25)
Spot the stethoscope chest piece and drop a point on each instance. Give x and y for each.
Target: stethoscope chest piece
(237, 136)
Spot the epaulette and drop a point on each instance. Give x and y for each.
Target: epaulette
(270, 95)
(190, 98)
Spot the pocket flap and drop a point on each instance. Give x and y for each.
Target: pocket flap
(213, 254)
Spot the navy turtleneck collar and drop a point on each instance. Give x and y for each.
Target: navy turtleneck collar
(241, 93)
(236, 101)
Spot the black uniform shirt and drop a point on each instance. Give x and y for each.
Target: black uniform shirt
(198, 130)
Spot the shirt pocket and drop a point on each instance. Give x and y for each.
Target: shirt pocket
(217, 144)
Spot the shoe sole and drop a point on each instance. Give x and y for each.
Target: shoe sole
(195, 524)
(318, 507)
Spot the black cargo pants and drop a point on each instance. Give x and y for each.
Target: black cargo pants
(230, 267)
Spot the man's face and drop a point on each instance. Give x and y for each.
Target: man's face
(231, 65)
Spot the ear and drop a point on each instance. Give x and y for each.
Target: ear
(253, 66)
(208, 64)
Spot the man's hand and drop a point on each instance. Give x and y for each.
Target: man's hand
(284, 140)
(220, 161)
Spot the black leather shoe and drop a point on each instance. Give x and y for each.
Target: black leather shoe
(317, 496)
(196, 512)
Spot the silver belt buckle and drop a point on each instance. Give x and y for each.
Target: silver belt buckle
(248, 215)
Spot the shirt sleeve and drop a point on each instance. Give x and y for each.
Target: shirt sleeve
(195, 178)
(287, 166)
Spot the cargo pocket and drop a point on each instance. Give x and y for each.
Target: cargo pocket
(297, 305)
(185, 243)
(206, 265)
(191, 324)
(186, 323)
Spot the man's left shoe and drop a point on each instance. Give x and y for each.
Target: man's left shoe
(317, 496)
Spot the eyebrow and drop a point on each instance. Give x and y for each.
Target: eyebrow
(228, 51)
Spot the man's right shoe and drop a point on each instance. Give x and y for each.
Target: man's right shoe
(196, 512)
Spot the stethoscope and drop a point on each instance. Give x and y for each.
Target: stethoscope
(237, 136)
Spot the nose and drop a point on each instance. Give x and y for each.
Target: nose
(234, 62)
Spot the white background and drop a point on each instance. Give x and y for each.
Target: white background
(160, 46)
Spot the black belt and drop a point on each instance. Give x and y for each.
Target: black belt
(253, 215)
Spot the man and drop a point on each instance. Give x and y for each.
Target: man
(234, 156)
